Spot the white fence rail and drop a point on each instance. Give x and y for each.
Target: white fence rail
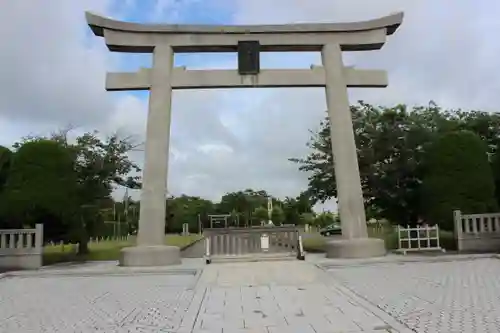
(96, 240)
(256, 243)
(420, 238)
(477, 232)
(73, 247)
(21, 248)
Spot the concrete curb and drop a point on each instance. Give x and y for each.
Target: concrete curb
(109, 271)
(393, 259)
(61, 269)
(79, 263)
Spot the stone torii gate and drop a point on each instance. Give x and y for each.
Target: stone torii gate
(165, 40)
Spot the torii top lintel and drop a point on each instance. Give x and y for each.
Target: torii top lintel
(352, 36)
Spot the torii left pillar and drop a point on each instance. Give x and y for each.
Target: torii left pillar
(151, 249)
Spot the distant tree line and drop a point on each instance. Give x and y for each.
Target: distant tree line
(244, 208)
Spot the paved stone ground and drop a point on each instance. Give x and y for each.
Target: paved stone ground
(264, 297)
(455, 296)
(275, 297)
(137, 303)
(268, 297)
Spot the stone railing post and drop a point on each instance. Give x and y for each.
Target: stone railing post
(457, 218)
(39, 237)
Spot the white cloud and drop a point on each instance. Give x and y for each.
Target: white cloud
(50, 72)
(444, 51)
(224, 140)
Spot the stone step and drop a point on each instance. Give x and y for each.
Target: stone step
(254, 257)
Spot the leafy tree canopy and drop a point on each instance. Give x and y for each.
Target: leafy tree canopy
(458, 176)
(52, 178)
(391, 145)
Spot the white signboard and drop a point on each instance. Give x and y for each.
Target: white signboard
(264, 242)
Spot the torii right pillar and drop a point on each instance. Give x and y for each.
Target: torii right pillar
(355, 242)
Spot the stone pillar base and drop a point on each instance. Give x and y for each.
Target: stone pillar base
(355, 248)
(140, 256)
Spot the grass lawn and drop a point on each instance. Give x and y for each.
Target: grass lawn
(105, 250)
(315, 244)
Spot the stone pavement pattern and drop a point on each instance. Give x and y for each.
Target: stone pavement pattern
(275, 297)
(56, 304)
(268, 297)
(455, 296)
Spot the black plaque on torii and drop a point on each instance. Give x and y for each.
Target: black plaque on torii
(248, 57)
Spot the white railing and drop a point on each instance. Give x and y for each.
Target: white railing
(101, 239)
(255, 243)
(21, 248)
(73, 247)
(420, 238)
(477, 232)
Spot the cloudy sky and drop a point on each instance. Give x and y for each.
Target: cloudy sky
(52, 74)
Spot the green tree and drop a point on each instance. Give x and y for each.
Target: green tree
(243, 202)
(294, 207)
(185, 209)
(324, 219)
(99, 165)
(306, 218)
(42, 187)
(260, 214)
(5, 163)
(290, 209)
(233, 201)
(496, 173)
(391, 145)
(277, 215)
(457, 176)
